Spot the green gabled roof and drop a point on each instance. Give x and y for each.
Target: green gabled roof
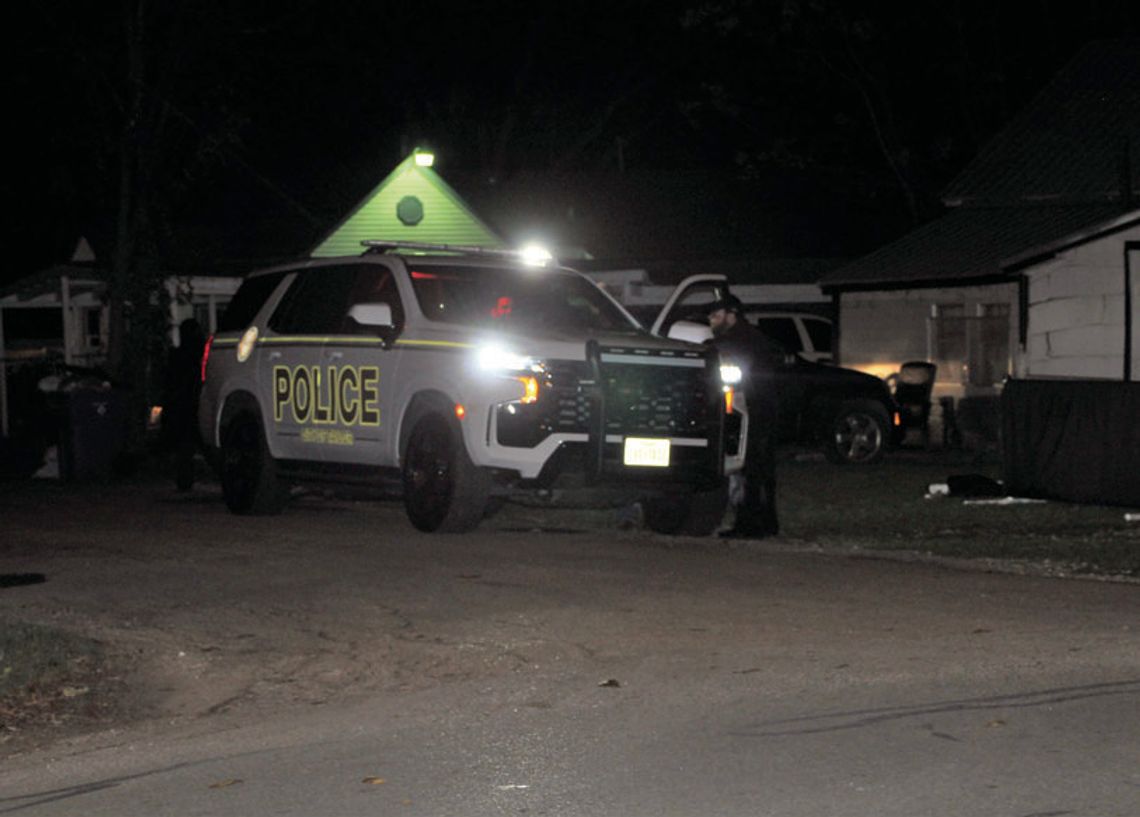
(446, 218)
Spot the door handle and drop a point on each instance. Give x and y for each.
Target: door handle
(335, 355)
(274, 355)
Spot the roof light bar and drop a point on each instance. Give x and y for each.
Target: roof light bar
(535, 255)
(532, 254)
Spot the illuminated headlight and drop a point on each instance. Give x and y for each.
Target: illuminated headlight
(496, 358)
(730, 374)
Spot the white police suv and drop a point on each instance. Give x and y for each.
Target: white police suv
(465, 377)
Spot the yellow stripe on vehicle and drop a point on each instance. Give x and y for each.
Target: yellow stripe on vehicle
(447, 344)
(345, 340)
(294, 339)
(349, 339)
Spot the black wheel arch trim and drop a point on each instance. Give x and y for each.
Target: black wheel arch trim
(422, 403)
(236, 404)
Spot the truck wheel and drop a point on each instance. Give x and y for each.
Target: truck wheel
(249, 473)
(858, 433)
(695, 514)
(443, 490)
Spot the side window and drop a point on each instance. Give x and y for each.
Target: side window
(783, 331)
(374, 284)
(950, 332)
(315, 303)
(247, 302)
(820, 333)
(989, 347)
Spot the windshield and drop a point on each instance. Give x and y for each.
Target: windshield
(516, 299)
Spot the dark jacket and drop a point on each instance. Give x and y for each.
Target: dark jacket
(183, 384)
(759, 358)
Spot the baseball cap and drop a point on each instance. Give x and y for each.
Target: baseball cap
(726, 301)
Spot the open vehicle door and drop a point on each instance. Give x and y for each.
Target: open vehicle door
(683, 315)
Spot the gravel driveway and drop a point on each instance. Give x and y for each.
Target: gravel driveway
(204, 614)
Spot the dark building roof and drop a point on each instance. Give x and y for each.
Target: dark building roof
(1069, 145)
(968, 244)
(1057, 169)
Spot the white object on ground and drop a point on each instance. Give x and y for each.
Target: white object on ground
(1005, 500)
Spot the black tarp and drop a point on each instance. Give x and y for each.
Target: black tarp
(1073, 440)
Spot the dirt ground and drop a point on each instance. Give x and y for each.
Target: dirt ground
(200, 614)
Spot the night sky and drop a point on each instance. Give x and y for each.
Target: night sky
(262, 120)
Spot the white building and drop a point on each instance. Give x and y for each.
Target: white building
(1083, 304)
(1031, 272)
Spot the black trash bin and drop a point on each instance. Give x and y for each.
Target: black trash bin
(92, 433)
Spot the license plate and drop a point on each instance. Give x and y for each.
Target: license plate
(644, 451)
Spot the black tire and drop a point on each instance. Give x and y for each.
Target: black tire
(858, 434)
(443, 490)
(494, 505)
(694, 514)
(249, 474)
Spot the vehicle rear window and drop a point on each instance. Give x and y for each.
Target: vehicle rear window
(783, 331)
(514, 298)
(248, 300)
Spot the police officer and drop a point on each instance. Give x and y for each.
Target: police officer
(759, 358)
(180, 401)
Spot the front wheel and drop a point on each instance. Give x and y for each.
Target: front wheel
(858, 434)
(443, 490)
(249, 473)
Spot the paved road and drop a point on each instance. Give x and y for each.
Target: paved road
(334, 661)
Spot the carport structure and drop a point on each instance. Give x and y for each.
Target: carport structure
(74, 289)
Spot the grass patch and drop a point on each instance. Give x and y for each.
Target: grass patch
(884, 507)
(38, 667)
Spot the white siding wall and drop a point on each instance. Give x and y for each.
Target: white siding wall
(1076, 311)
(880, 330)
(883, 327)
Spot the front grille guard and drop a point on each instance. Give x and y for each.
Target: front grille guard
(596, 399)
(593, 388)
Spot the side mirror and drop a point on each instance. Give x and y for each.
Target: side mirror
(378, 315)
(690, 331)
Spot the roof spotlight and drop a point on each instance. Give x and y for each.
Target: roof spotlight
(535, 255)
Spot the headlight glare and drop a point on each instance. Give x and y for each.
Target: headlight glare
(495, 358)
(730, 374)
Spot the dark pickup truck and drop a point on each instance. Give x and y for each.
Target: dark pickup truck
(850, 415)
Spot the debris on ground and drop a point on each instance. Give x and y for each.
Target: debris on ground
(967, 485)
(1005, 500)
